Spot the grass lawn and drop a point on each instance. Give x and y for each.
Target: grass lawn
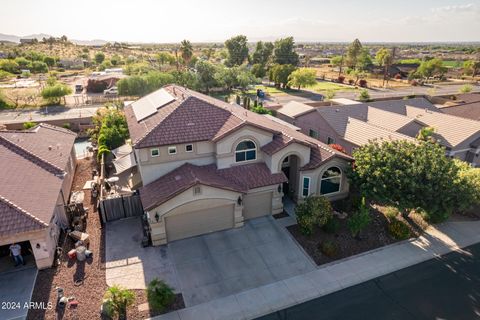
(323, 86)
(453, 63)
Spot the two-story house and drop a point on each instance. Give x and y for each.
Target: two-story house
(207, 165)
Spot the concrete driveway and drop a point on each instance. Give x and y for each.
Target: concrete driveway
(227, 262)
(206, 267)
(16, 287)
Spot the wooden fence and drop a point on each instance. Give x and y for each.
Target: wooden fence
(120, 208)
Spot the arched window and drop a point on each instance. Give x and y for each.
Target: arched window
(331, 180)
(246, 151)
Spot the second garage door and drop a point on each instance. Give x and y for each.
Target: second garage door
(257, 205)
(194, 223)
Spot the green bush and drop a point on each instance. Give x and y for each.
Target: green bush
(314, 210)
(117, 300)
(28, 125)
(359, 220)
(399, 230)
(331, 226)
(391, 213)
(159, 295)
(328, 248)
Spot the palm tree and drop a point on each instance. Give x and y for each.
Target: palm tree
(186, 50)
(117, 300)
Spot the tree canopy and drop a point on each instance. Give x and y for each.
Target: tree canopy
(279, 74)
(408, 175)
(237, 50)
(186, 50)
(353, 53)
(284, 52)
(54, 93)
(263, 53)
(302, 77)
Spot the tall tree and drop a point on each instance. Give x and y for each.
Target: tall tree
(206, 74)
(237, 50)
(186, 50)
(284, 52)
(384, 58)
(263, 52)
(353, 53)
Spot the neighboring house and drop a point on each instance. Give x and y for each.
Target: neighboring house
(207, 165)
(36, 169)
(28, 40)
(465, 106)
(354, 125)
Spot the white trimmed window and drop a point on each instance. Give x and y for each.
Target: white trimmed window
(189, 148)
(172, 150)
(312, 133)
(331, 181)
(154, 152)
(197, 190)
(306, 186)
(330, 140)
(246, 151)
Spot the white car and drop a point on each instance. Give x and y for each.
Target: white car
(111, 91)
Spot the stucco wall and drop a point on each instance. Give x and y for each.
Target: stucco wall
(214, 196)
(299, 150)
(315, 178)
(225, 148)
(313, 120)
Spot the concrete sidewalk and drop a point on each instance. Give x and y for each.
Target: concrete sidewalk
(328, 278)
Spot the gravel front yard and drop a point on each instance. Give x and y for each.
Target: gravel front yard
(90, 293)
(374, 236)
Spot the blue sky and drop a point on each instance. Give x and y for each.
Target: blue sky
(212, 20)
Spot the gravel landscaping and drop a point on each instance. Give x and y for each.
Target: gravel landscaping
(90, 288)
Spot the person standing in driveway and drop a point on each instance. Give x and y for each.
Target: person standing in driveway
(16, 252)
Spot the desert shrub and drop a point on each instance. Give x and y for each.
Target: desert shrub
(28, 125)
(340, 79)
(328, 248)
(56, 92)
(362, 83)
(66, 125)
(315, 210)
(364, 95)
(160, 295)
(359, 220)
(391, 213)
(399, 230)
(351, 82)
(331, 226)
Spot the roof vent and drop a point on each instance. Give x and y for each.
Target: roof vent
(50, 148)
(178, 178)
(174, 92)
(190, 124)
(337, 110)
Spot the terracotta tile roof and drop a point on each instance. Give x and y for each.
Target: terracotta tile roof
(181, 179)
(294, 109)
(197, 117)
(15, 220)
(319, 156)
(251, 176)
(31, 176)
(239, 179)
(279, 142)
(50, 143)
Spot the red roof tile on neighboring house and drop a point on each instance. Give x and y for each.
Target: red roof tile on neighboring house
(31, 176)
(15, 220)
(238, 178)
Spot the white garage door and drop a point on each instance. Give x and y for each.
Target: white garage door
(257, 205)
(194, 223)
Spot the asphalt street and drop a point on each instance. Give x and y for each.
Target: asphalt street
(445, 288)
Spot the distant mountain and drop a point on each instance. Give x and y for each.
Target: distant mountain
(40, 36)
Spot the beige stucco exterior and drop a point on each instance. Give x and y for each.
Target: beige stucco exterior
(215, 203)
